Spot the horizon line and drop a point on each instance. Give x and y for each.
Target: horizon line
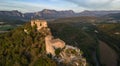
(62, 10)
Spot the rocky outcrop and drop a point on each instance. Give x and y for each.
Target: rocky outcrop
(72, 56)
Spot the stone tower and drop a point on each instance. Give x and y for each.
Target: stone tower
(39, 23)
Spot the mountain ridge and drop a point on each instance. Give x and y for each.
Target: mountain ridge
(54, 14)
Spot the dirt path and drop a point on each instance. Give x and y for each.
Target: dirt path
(108, 56)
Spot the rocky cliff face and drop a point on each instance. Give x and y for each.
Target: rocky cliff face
(12, 13)
(59, 50)
(71, 56)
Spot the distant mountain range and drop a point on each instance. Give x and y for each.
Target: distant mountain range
(51, 14)
(11, 14)
(98, 13)
(115, 16)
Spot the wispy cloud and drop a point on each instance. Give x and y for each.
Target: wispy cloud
(77, 5)
(94, 4)
(23, 6)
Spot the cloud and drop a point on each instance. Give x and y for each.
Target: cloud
(23, 6)
(92, 4)
(77, 5)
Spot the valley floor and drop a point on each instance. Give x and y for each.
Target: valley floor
(108, 56)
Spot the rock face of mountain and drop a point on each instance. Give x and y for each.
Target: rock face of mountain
(11, 14)
(12, 17)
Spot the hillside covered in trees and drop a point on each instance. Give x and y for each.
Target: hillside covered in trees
(25, 46)
(18, 48)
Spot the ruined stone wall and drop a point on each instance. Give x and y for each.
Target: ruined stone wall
(52, 43)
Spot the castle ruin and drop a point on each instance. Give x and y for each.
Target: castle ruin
(66, 55)
(50, 42)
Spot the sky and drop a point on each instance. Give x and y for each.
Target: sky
(76, 5)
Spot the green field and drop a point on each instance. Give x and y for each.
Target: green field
(6, 27)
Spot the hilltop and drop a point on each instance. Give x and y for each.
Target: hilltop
(34, 45)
